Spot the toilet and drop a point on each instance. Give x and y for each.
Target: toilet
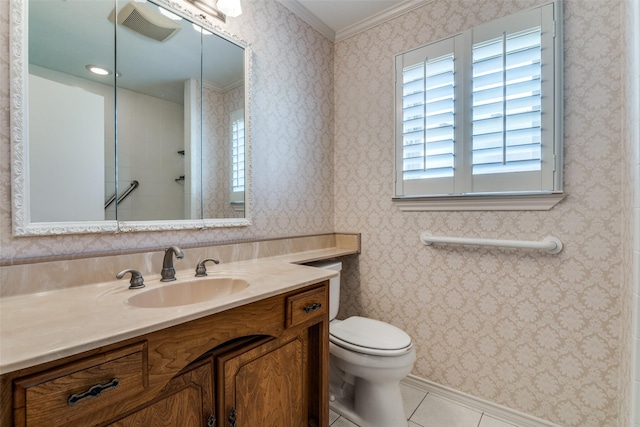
(368, 360)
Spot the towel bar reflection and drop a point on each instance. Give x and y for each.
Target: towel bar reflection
(551, 245)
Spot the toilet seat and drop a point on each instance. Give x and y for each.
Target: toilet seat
(369, 336)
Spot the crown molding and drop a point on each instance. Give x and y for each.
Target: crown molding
(222, 89)
(303, 13)
(308, 17)
(379, 18)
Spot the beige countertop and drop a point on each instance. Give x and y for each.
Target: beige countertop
(41, 327)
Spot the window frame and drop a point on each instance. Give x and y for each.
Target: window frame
(236, 198)
(412, 196)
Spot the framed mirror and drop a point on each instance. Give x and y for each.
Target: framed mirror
(127, 116)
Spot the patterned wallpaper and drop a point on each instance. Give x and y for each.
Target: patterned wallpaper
(535, 332)
(217, 183)
(631, 212)
(292, 141)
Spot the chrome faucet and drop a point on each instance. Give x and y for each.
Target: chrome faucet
(168, 273)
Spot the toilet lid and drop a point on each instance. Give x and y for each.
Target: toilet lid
(370, 336)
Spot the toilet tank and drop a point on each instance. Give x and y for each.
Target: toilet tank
(334, 285)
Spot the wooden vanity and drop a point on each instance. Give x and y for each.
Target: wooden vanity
(261, 364)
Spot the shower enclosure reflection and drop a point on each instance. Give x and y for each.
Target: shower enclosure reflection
(168, 111)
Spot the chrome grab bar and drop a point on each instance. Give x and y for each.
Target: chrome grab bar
(133, 186)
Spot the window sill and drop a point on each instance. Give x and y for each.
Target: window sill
(506, 202)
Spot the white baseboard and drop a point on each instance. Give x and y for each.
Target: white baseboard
(494, 410)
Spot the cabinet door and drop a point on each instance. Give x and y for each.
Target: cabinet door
(264, 384)
(187, 401)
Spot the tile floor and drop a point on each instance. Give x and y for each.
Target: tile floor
(429, 410)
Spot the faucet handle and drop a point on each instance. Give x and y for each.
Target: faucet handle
(136, 281)
(201, 270)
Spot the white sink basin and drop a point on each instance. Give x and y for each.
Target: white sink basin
(185, 293)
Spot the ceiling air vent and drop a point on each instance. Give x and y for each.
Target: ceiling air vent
(146, 22)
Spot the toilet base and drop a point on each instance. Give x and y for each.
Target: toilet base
(375, 407)
(344, 407)
(368, 404)
(366, 389)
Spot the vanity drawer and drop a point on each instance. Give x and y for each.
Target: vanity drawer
(66, 394)
(306, 305)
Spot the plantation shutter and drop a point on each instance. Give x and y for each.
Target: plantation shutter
(479, 113)
(426, 85)
(237, 156)
(428, 110)
(506, 104)
(512, 110)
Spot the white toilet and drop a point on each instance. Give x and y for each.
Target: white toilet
(368, 360)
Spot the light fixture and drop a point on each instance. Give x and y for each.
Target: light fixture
(220, 9)
(101, 71)
(208, 6)
(230, 8)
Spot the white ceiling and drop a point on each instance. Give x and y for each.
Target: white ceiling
(339, 14)
(64, 36)
(340, 19)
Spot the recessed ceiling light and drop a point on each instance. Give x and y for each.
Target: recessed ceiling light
(101, 71)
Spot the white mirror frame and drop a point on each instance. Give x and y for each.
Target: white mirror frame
(19, 115)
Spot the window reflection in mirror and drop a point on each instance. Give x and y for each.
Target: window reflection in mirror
(223, 96)
(178, 87)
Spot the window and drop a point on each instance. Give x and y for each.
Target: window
(237, 156)
(479, 113)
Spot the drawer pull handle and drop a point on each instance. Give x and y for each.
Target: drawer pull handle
(94, 391)
(312, 307)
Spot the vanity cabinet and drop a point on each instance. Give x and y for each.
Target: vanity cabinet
(83, 388)
(187, 401)
(263, 383)
(261, 364)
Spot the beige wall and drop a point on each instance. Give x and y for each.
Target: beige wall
(292, 141)
(631, 229)
(537, 333)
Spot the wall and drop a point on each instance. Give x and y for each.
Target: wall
(292, 142)
(631, 72)
(66, 130)
(217, 184)
(537, 333)
(214, 134)
(150, 132)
